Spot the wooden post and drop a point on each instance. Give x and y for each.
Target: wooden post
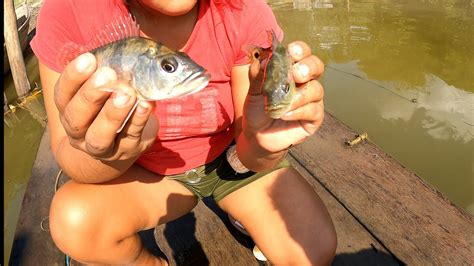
(5, 103)
(14, 51)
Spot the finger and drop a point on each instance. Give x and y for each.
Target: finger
(134, 129)
(127, 148)
(298, 50)
(311, 112)
(312, 126)
(86, 103)
(100, 136)
(72, 78)
(307, 68)
(150, 131)
(312, 91)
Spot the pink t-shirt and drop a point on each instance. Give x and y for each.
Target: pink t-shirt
(194, 129)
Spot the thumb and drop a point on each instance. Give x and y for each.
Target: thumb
(256, 78)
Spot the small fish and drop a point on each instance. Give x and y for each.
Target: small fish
(154, 70)
(278, 86)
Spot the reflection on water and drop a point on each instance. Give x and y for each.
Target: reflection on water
(401, 70)
(448, 111)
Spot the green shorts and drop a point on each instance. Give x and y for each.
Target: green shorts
(218, 179)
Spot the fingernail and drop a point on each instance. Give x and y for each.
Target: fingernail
(302, 69)
(143, 108)
(120, 99)
(296, 50)
(103, 76)
(83, 62)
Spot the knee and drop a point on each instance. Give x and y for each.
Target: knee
(318, 248)
(322, 252)
(324, 246)
(74, 222)
(326, 250)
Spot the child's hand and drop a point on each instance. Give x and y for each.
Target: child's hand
(305, 114)
(93, 105)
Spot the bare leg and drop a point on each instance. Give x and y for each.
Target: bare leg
(285, 217)
(98, 223)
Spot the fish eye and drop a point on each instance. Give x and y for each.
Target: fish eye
(256, 54)
(169, 65)
(286, 89)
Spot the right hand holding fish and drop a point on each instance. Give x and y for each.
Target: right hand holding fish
(93, 105)
(305, 113)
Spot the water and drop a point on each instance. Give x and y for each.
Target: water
(23, 129)
(403, 72)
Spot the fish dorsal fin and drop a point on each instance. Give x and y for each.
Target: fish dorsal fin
(122, 27)
(272, 39)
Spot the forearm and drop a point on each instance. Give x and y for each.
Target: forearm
(255, 157)
(83, 168)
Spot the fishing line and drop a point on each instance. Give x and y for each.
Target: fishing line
(56, 184)
(413, 100)
(58, 176)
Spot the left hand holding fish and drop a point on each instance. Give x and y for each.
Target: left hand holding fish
(306, 111)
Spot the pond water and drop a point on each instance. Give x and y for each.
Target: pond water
(403, 72)
(22, 129)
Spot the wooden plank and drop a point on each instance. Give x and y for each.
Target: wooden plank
(356, 245)
(411, 218)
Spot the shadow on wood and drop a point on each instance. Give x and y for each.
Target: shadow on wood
(366, 257)
(201, 238)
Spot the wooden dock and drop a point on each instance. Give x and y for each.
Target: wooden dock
(383, 213)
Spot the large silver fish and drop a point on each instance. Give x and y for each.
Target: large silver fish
(278, 86)
(155, 71)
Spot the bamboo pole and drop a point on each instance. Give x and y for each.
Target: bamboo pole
(15, 54)
(5, 103)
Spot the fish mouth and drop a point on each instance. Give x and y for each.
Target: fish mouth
(194, 83)
(277, 112)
